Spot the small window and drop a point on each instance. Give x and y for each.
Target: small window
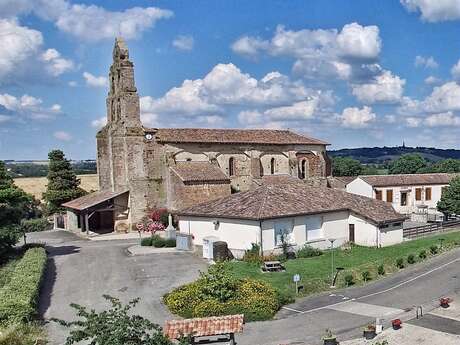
(384, 226)
(231, 166)
(303, 169)
(378, 194)
(418, 194)
(283, 232)
(428, 193)
(397, 225)
(389, 195)
(188, 160)
(272, 166)
(403, 198)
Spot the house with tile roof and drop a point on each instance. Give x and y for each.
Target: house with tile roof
(175, 168)
(415, 195)
(299, 213)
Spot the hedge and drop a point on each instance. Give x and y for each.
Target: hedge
(19, 297)
(35, 225)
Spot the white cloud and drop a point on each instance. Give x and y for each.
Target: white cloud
(72, 83)
(434, 10)
(249, 46)
(455, 70)
(413, 122)
(94, 81)
(298, 111)
(99, 123)
(250, 117)
(426, 62)
(29, 107)
(432, 80)
(22, 55)
(360, 42)
(385, 88)
(357, 118)
(442, 119)
(443, 98)
(62, 135)
(183, 42)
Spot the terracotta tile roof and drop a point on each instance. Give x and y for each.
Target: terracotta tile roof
(208, 326)
(231, 136)
(280, 179)
(340, 181)
(283, 200)
(92, 199)
(408, 180)
(199, 172)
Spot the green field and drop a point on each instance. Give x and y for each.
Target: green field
(315, 272)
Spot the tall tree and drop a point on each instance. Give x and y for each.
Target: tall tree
(63, 184)
(450, 199)
(15, 204)
(346, 166)
(408, 164)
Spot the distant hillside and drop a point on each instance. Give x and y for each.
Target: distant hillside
(379, 155)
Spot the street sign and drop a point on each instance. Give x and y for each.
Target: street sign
(296, 278)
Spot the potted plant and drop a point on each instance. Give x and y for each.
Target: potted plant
(444, 302)
(329, 338)
(396, 323)
(369, 331)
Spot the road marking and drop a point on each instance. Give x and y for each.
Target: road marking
(375, 293)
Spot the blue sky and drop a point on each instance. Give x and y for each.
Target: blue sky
(354, 73)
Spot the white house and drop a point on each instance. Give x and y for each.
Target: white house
(415, 194)
(302, 214)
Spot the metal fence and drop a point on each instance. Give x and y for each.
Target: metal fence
(429, 229)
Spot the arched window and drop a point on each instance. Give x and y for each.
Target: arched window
(231, 166)
(303, 169)
(272, 166)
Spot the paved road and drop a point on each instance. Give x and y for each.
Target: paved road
(81, 271)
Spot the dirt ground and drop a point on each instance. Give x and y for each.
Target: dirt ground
(37, 185)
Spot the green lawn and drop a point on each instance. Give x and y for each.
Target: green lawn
(316, 272)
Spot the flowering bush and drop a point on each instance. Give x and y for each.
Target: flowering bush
(155, 220)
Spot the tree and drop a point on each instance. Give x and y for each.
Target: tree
(346, 166)
(450, 199)
(63, 184)
(408, 164)
(114, 326)
(445, 166)
(15, 204)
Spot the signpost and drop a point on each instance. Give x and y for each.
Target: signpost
(296, 280)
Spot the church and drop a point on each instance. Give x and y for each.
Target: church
(145, 168)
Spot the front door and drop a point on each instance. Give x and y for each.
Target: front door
(351, 233)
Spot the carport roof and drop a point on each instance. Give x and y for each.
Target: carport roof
(93, 199)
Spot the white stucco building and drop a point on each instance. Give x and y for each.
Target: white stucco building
(303, 214)
(416, 195)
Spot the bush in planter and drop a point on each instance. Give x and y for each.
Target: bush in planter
(422, 255)
(381, 270)
(349, 280)
(400, 263)
(366, 275)
(146, 242)
(411, 259)
(434, 249)
(170, 243)
(307, 252)
(158, 241)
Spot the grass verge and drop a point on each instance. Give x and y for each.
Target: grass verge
(316, 271)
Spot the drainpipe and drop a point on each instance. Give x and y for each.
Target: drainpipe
(261, 239)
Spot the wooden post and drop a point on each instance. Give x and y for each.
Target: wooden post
(87, 224)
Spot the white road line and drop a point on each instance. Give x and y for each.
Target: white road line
(375, 293)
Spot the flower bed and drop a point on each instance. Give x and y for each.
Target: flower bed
(218, 293)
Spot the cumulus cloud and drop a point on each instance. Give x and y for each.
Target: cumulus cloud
(385, 88)
(94, 81)
(22, 48)
(426, 62)
(434, 10)
(28, 107)
(99, 123)
(361, 42)
(62, 135)
(446, 119)
(455, 70)
(430, 80)
(354, 117)
(88, 22)
(183, 42)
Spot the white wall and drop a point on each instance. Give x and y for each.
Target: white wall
(239, 234)
(365, 232)
(360, 187)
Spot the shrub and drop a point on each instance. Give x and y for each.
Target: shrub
(349, 280)
(434, 249)
(253, 255)
(18, 298)
(9, 236)
(411, 259)
(170, 243)
(35, 225)
(366, 275)
(158, 241)
(23, 334)
(307, 252)
(422, 255)
(400, 263)
(218, 283)
(183, 300)
(146, 242)
(209, 307)
(381, 270)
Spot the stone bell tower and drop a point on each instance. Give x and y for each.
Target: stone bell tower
(120, 144)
